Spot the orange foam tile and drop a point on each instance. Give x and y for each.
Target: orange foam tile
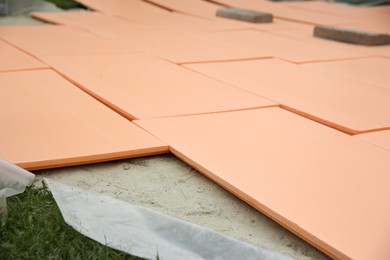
(305, 33)
(95, 22)
(174, 46)
(327, 187)
(180, 47)
(142, 86)
(380, 138)
(194, 7)
(60, 40)
(184, 23)
(121, 7)
(374, 71)
(348, 105)
(359, 13)
(107, 25)
(14, 59)
(286, 12)
(267, 44)
(208, 11)
(47, 122)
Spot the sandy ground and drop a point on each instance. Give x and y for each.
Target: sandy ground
(168, 185)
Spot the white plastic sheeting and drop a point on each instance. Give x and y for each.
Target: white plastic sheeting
(13, 180)
(146, 233)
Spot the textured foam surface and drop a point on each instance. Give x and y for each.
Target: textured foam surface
(374, 71)
(348, 105)
(181, 47)
(380, 138)
(141, 86)
(98, 22)
(50, 123)
(122, 8)
(306, 176)
(60, 40)
(292, 50)
(14, 59)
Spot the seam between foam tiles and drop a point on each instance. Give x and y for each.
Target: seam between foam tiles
(257, 204)
(158, 5)
(24, 51)
(217, 3)
(337, 127)
(131, 117)
(152, 134)
(97, 97)
(228, 60)
(229, 84)
(27, 69)
(329, 124)
(212, 112)
(333, 60)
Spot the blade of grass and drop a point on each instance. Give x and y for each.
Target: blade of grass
(35, 229)
(66, 4)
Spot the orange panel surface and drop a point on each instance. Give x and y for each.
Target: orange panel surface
(342, 103)
(267, 44)
(179, 47)
(380, 138)
(374, 71)
(194, 7)
(14, 59)
(184, 23)
(359, 13)
(141, 86)
(199, 8)
(327, 187)
(96, 22)
(48, 122)
(282, 11)
(208, 10)
(122, 8)
(59, 40)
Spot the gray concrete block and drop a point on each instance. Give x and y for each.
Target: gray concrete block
(351, 36)
(245, 15)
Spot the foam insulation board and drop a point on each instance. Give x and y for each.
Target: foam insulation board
(329, 188)
(48, 122)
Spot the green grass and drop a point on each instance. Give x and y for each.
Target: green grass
(35, 229)
(66, 4)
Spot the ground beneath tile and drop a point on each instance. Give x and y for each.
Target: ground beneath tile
(168, 185)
